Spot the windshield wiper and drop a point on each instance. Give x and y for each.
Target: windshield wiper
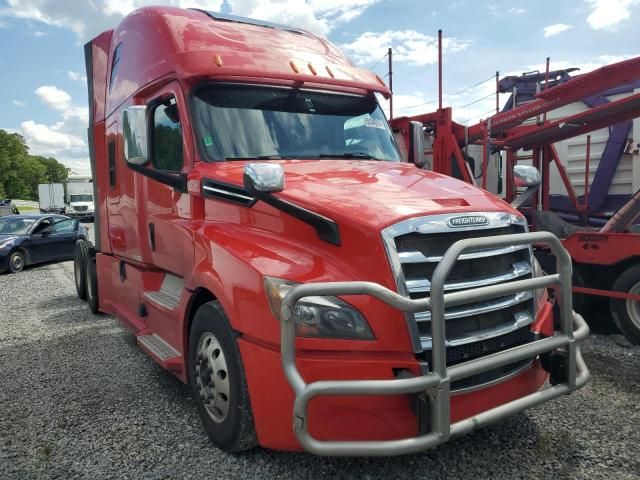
(260, 157)
(347, 155)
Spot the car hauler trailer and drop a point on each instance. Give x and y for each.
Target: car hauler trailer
(530, 129)
(257, 232)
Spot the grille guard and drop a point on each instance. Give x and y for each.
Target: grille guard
(437, 382)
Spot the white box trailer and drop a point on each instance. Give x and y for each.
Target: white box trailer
(51, 198)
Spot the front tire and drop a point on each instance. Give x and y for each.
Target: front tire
(16, 261)
(218, 382)
(626, 313)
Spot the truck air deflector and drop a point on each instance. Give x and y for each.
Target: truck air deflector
(436, 382)
(224, 17)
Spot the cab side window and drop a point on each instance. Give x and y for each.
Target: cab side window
(64, 226)
(167, 137)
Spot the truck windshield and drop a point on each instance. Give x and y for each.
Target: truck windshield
(238, 122)
(81, 198)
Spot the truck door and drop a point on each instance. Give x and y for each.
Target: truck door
(168, 243)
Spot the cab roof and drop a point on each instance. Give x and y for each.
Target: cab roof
(193, 45)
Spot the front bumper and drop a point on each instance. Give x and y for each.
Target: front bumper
(74, 214)
(571, 374)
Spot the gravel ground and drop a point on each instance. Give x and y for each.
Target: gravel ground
(79, 399)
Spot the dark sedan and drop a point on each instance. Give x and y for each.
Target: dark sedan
(30, 239)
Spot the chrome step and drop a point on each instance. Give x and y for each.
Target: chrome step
(415, 256)
(169, 294)
(158, 346)
(518, 269)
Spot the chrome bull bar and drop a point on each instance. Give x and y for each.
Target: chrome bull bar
(437, 382)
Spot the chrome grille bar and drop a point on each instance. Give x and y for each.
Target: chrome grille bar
(518, 269)
(415, 256)
(480, 307)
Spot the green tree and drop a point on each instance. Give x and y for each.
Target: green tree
(56, 172)
(20, 173)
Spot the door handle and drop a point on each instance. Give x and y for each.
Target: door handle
(152, 236)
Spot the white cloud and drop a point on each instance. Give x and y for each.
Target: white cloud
(46, 139)
(408, 46)
(555, 29)
(88, 18)
(77, 77)
(54, 97)
(18, 103)
(517, 11)
(407, 104)
(60, 100)
(608, 13)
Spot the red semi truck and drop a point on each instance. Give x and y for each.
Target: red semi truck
(259, 234)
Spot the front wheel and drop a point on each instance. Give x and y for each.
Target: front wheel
(626, 313)
(16, 261)
(218, 382)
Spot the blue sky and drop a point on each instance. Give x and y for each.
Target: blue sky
(44, 89)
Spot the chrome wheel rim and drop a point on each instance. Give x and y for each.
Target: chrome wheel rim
(633, 307)
(17, 262)
(212, 377)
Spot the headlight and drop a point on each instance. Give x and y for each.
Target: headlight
(319, 317)
(538, 272)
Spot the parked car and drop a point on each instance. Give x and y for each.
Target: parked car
(30, 239)
(7, 208)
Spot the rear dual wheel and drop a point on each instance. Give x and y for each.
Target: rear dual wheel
(84, 272)
(626, 313)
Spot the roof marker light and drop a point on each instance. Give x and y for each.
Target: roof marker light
(313, 70)
(380, 80)
(294, 67)
(329, 71)
(218, 60)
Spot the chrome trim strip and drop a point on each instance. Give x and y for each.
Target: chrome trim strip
(226, 192)
(480, 307)
(518, 269)
(495, 381)
(520, 319)
(417, 257)
(438, 223)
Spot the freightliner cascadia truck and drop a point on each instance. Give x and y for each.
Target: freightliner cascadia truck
(258, 232)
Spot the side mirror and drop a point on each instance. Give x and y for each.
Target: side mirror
(263, 177)
(135, 135)
(76, 225)
(526, 176)
(46, 232)
(416, 144)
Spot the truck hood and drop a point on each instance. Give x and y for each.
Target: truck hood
(81, 204)
(368, 192)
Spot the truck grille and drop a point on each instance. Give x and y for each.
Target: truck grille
(416, 246)
(81, 208)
